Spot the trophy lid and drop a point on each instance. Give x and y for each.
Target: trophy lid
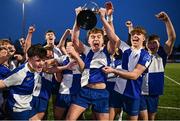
(91, 6)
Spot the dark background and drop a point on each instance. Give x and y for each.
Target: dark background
(59, 15)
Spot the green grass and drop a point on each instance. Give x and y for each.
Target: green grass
(171, 97)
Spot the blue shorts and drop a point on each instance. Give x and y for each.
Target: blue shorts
(24, 115)
(149, 103)
(64, 100)
(110, 86)
(12, 115)
(129, 105)
(98, 98)
(55, 87)
(38, 105)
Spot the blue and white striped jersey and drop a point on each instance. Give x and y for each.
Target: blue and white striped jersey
(4, 71)
(153, 80)
(111, 77)
(130, 58)
(117, 62)
(94, 62)
(21, 83)
(57, 52)
(71, 81)
(44, 85)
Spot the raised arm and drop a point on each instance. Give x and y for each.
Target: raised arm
(62, 41)
(71, 51)
(109, 14)
(75, 34)
(114, 39)
(28, 38)
(168, 47)
(129, 26)
(22, 43)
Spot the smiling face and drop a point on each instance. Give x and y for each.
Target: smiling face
(96, 39)
(4, 56)
(11, 49)
(9, 46)
(137, 40)
(3, 52)
(153, 44)
(36, 57)
(36, 63)
(138, 36)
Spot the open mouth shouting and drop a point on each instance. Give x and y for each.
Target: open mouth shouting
(96, 43)
(135, 39)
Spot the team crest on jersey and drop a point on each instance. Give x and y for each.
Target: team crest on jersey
(146, 57)
(28, 78)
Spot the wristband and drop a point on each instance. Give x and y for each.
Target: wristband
(109, 18)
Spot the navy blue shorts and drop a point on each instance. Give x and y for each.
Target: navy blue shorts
(110, 86)
(64, 100)
(149, 103)
(38, 105)
(129, 105)
(98, 98)
(12, 115)
(24, 115)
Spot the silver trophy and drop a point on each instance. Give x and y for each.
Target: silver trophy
(87, 19)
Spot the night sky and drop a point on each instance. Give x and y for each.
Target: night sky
(59, 15)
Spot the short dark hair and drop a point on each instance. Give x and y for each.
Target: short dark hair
(49, 48)
(139, 29)
(153, 37)
(37, 50)
(49, 31)
(94, 31)
(5, 41)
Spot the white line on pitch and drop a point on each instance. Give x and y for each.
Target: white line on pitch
(172, 80)
(171, 108)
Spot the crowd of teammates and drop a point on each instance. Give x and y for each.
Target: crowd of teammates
(109, 76)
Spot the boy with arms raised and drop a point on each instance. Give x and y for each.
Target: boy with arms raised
(93, 79)
(153, 82)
